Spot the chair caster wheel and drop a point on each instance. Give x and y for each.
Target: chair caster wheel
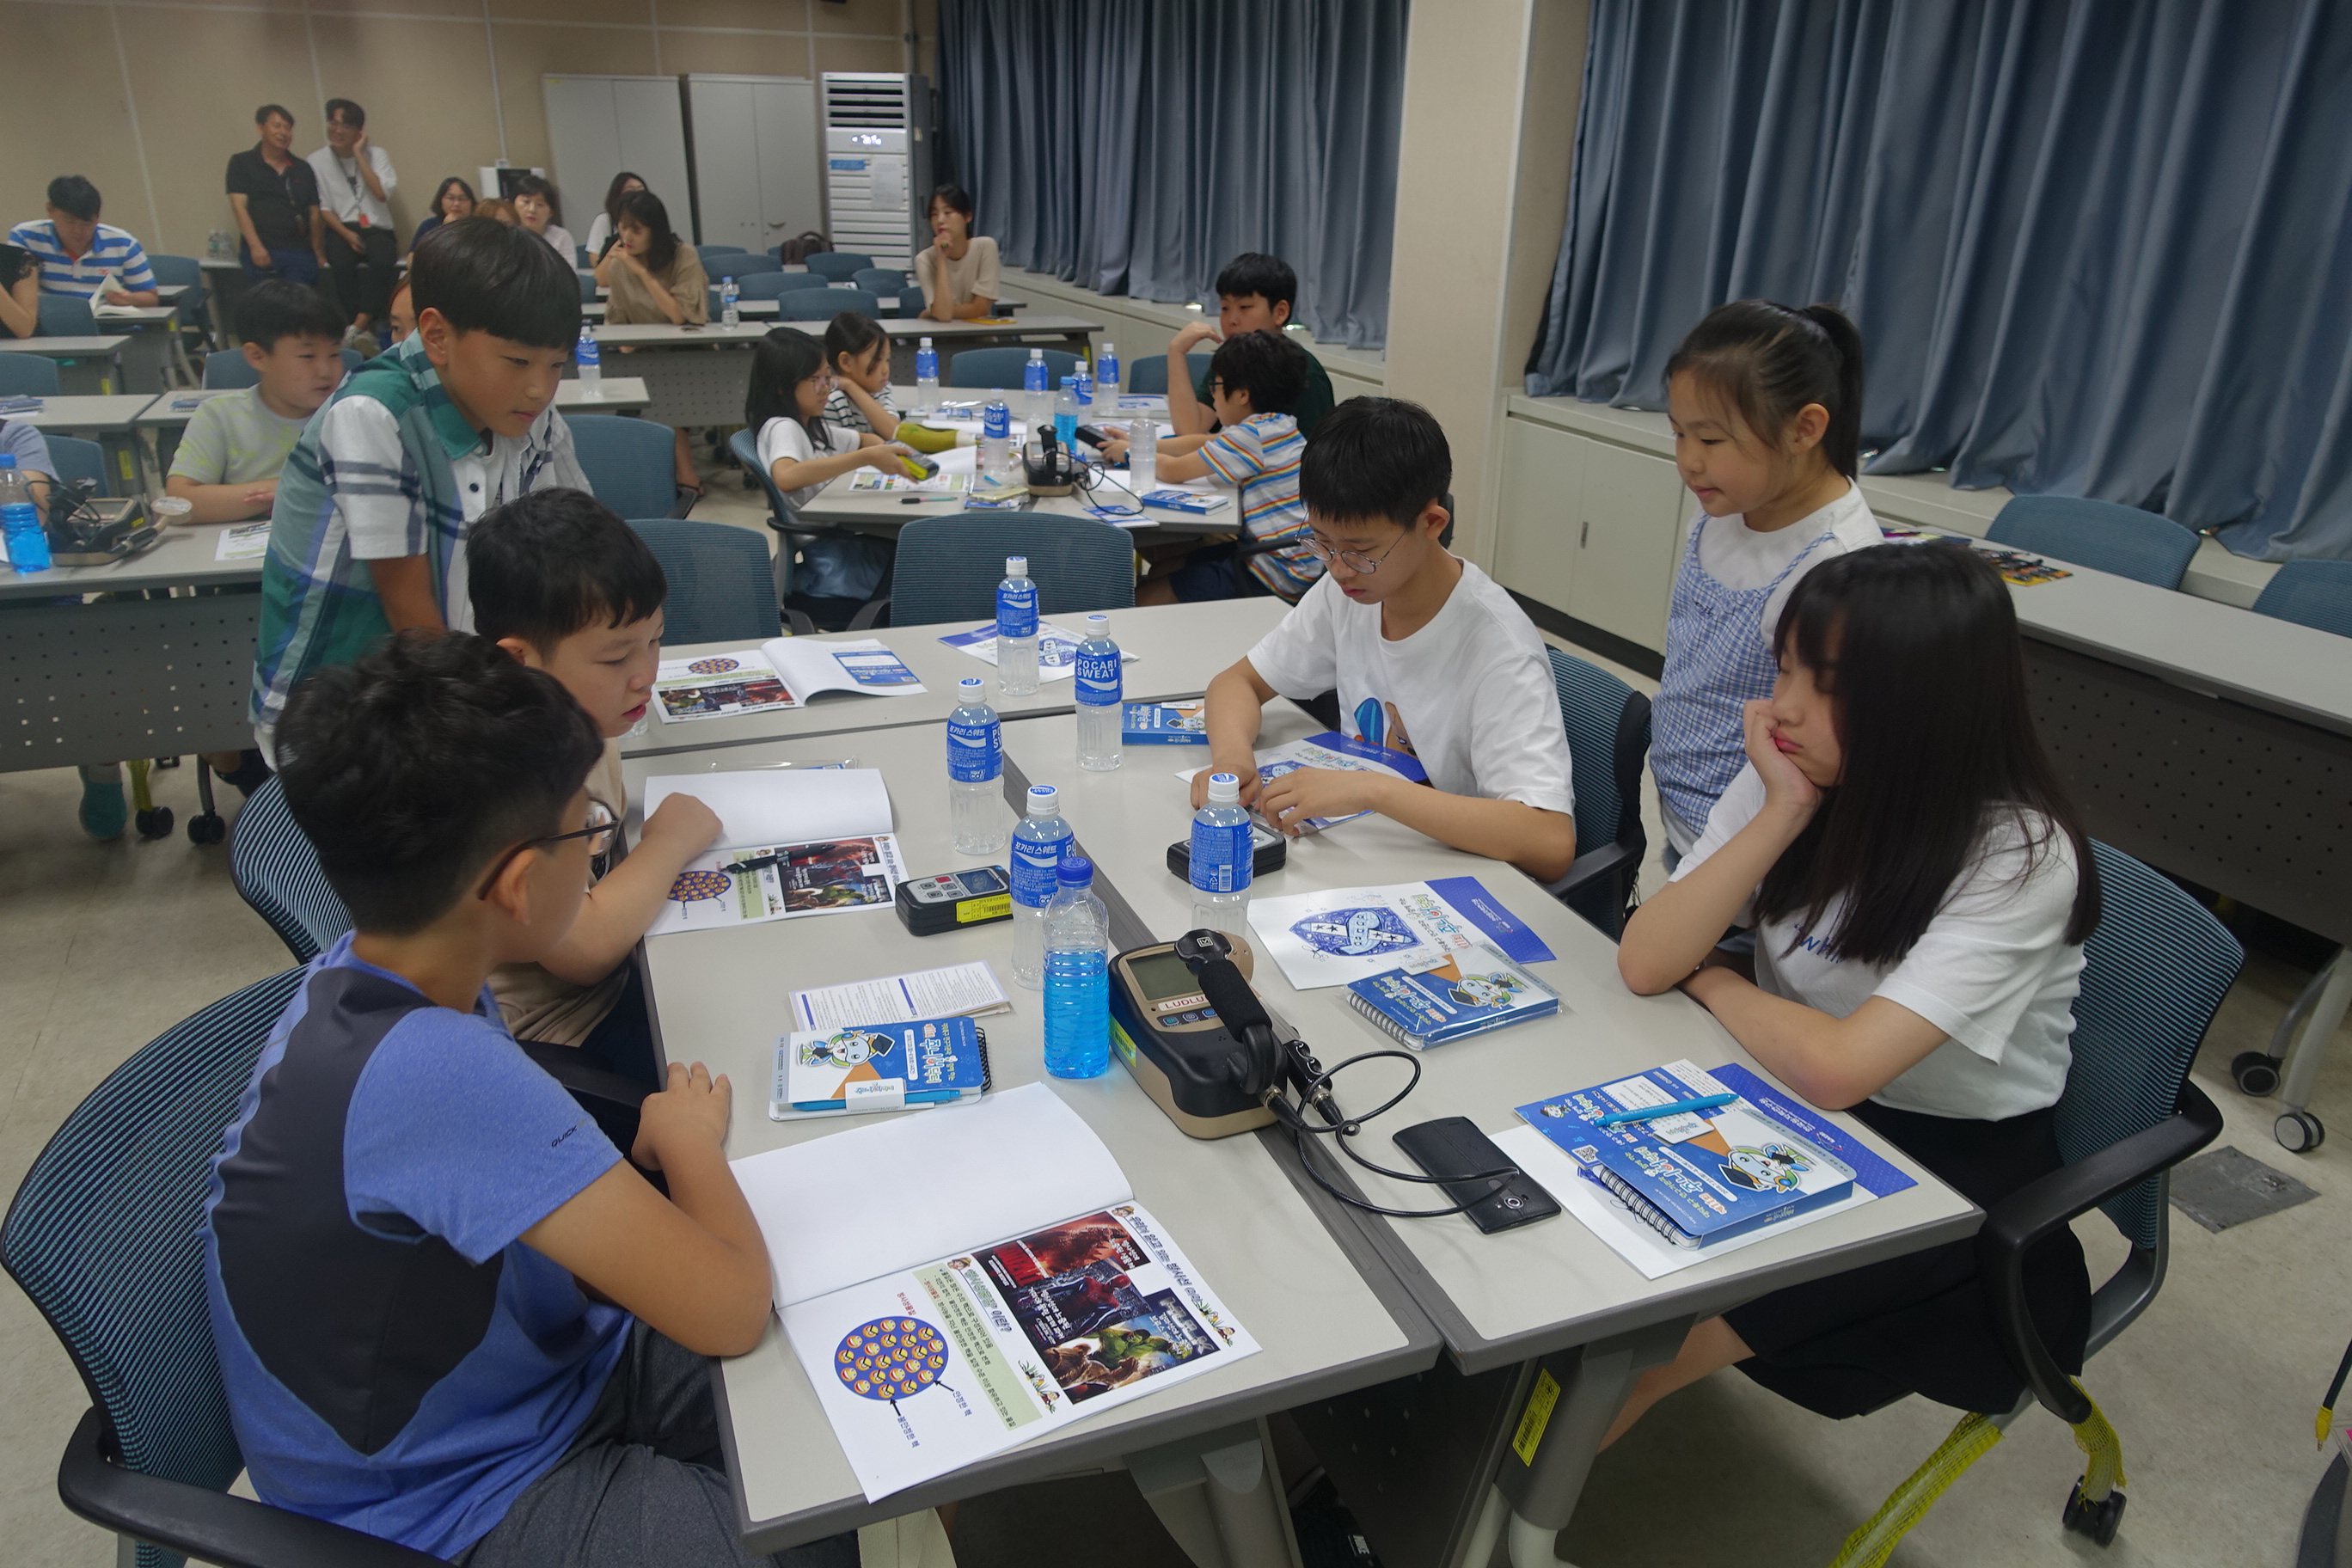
(167, 762)
(154, 823)
(208, 829)
(2299, 1131)
(2099, 1520)
(2256, 1073)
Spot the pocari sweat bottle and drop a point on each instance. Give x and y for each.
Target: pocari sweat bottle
(1037, 390)
(1077, 979)
(996, 441)
(926, 377)
(1065, 415)
(1099, 698)
(1107, 376)
(1039, 841)
(1221, 860)
(730, 301)
(1016, 630)
(975, 772)
(590, 360)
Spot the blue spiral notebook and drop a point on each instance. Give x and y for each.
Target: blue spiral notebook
(1470, 993)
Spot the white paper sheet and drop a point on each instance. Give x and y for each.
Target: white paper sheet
(797, 805)
(245, 542)
(960, 990)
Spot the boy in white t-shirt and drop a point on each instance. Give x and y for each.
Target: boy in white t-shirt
(1428, 655)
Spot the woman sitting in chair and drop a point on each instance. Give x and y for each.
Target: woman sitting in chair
(1920, 889)
(959, 272)
(655, 278)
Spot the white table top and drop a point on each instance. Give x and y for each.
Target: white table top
(137, 315)
(662, 332)
(101, 415)
(594, 309)
(619, 394)
(614, 394)
(66, 348)
(2196, 643)
(183, 555)
(1182, 647)
(720, 996)
(1497, 1298)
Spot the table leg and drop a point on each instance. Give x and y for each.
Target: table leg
(1219, 1496)
(2301, 1069)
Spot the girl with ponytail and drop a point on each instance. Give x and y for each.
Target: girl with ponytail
(1765, 404)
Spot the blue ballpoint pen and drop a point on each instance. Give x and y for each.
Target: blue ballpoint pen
(928, 1097)
(1652, 1112)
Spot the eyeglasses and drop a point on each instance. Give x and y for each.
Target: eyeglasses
(1355, 560)
(598, 833)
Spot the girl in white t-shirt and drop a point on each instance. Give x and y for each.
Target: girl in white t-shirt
(1765, 404)
(804, 451)
(1920, 889)
(857, 351)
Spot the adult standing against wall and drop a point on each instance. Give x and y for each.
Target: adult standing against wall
(276, 197)
(958, 273)
(355, 181)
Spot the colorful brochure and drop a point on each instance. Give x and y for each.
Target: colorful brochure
(1057, 648)
(1331, 750)
(796, 842)
(783, 672)
(1355, 933)
(1470, 993)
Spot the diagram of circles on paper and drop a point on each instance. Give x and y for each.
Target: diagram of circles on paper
(890, 1359)
(693, 885)
(714, 666)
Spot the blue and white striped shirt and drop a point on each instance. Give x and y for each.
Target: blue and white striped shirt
(111, 249)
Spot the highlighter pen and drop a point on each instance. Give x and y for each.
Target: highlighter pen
(1652, 1112)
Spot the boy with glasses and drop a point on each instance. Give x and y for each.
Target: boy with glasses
(1429, 655)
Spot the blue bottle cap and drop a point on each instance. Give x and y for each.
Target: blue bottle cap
(1076, 871)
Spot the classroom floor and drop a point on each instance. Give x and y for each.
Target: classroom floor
(2212, 1392)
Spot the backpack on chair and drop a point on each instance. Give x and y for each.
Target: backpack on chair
(796, 252)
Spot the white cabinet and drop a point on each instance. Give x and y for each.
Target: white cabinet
(599, 125)
(756, 175)
(1590, 528)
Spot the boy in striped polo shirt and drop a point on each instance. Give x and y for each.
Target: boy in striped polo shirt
(75, 251)
(1256, 381)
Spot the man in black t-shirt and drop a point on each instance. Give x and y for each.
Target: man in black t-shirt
(276, 195)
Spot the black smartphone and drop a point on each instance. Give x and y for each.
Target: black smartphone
(1452, 1145)
(1093, 436)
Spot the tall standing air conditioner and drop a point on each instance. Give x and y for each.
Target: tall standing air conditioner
(877, 164)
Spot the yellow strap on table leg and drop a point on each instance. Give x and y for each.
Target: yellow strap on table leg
(141, 799)
(1870, 1546)
(2103, 1451)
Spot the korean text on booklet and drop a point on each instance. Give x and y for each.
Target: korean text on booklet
(1355, 933)
(1165, 724)
(791, 842)
(1471, 993)
(960, 990)
(878, 1066)
(783, 673)
(1331, 750)
(1057, 648)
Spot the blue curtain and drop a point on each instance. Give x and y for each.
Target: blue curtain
(2096, 247)
(1135, 146)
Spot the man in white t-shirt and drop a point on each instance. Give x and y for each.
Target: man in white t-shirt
(356, 180)
(1428, 655)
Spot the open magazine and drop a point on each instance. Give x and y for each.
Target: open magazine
(1343, 934)
(1023, 1292)
(791, 842)
(782, 672)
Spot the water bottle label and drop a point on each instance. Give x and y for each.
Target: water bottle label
(1098, 677)
(1016, 611)
(1034, 868)
(1220, 858)
(975, 752)
(999, 426)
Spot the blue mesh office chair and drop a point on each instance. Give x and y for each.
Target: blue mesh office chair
(229, 369)
(2154, 973)
(64, 316)
(1001, 368)
(190, 312)
(719, 587)
(948, 567)
(1608, 725)
(631, 464)
(587, 285)
(776, 285)
(706, 251)
(824, 304)
(2098, 534)
(2314, 593)
(71, 458)
(27, 376)
(791, 536)
(104, 1237)
(277, 873)
(885, 280)
(1148, 376)
(839, 265)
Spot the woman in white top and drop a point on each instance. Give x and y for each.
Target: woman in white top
(600, 232)
(804, 451)
(958, 273)
(1920, 889)
(534, 201)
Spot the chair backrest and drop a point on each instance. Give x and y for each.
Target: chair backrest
(745, 444)
(587, 285)
(1608, 727)
(71, 458)
(1148, 376)
(631, 464)
(1001, 368)
(277, 872)
(719, 585)
(105, 1236)
(886, 280)
(840, 266)
(352, 360)
(776, 285)
(226, 368)
(28, 375)
(824, 304)
(2098, 534)
(63, 316)
(948, 567)
(2315, 594)
(2154, 973)
(187, 272)
(706, 251)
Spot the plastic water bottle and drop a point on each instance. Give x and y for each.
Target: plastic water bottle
(1107, 375)
(1083, 384)
(926, 377)
(1221, 860)
(731, 299)
(20, 519)
(1037, 386)
(590, 361)
(1077, 980)
(975, 771)
(1100, 694)
(1065, 415)
(996, 441)
(1016, 630)
(1039, 840)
